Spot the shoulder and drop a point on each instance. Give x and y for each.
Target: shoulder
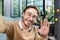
(1, 18)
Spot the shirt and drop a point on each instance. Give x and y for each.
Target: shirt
(14, 32)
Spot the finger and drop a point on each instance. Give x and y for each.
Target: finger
(48, 25)
(36, 27)
(45, 22)
(41, 23)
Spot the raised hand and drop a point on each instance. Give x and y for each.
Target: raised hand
(44, 30)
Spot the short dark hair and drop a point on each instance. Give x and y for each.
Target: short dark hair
(31, 6)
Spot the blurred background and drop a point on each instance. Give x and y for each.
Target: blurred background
(12, 10)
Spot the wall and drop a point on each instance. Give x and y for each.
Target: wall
(57, 15)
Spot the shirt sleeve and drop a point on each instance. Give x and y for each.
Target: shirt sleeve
(5, 26)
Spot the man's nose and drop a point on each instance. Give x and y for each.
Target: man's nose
(31, 18)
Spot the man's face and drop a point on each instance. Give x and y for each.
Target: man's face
(29, 16)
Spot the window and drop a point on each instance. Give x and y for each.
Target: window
(0, 7)
(16, 7)
(49, 10)
(38, 3)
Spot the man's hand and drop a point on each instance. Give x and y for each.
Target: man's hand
(44, 30)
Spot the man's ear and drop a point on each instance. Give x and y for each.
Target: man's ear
(23, 14)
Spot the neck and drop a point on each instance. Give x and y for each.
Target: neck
(23, 25)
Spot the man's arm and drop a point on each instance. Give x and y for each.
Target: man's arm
(5, 25)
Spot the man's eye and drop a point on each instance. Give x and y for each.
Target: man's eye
(34, 17)
(29, 14)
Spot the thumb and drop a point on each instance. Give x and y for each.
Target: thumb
(36, 27)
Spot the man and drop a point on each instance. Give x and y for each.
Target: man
(24, 29)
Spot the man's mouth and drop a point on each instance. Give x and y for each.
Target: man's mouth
(29, 22)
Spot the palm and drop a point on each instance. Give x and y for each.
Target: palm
(44, 30)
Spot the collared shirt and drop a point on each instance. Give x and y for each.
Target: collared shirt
(15, 33)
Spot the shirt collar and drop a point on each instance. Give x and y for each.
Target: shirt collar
(20, 25)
